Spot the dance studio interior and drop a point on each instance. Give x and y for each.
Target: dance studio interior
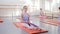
(29, 16)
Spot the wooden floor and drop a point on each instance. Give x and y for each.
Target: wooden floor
(9, 28)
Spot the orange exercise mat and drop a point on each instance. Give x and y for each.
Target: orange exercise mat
(30, 31)
(1, 20)
(50, 21)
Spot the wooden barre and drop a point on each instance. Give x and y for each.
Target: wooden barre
(9, 5)
(9, 8)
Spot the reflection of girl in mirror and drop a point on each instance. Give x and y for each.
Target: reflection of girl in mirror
(41, 15)
(41, 12)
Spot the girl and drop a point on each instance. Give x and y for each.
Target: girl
(26, 17)
(59, 14)
(59, 20)
(41, 15)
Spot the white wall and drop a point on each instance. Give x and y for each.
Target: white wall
(33, 5)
